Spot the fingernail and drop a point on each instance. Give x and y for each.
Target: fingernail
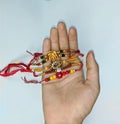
(61, 25)
(92, 54)
(72, 30)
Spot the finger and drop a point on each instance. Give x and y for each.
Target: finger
(54, 39)
(63, 37)
(73, 42)
(92, 70)
(46, 46)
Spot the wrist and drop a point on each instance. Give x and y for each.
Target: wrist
(62, 121)
(58, 118)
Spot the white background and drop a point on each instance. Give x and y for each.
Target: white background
(23, 26)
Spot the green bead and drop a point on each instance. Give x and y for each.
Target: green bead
(42, 57)
(63, 55)
(61, 51)
(43, 61)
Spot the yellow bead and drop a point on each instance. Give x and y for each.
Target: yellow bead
(38, 69)
(64, 61)
(54, 76)
(51, 77)
(72, 71)
(46, 68)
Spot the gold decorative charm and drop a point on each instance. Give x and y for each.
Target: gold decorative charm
(52, 56)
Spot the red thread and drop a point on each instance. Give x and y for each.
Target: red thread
(7, 71)
(31, 81)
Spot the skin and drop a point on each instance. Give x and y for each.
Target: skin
(69, 100)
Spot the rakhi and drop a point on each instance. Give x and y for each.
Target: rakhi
(57, 75)
(53, 66)
(40, 59)
(55, 58)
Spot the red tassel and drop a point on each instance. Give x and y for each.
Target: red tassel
(20, 67)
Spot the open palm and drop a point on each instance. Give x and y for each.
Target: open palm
(70, 99)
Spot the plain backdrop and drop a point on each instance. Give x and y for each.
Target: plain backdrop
(23, 26)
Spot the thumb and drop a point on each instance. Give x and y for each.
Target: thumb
(92, 75)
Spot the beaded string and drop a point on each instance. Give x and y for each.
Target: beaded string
(49, 68)
(57, 75)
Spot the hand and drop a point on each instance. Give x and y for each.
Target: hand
(69, 100)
